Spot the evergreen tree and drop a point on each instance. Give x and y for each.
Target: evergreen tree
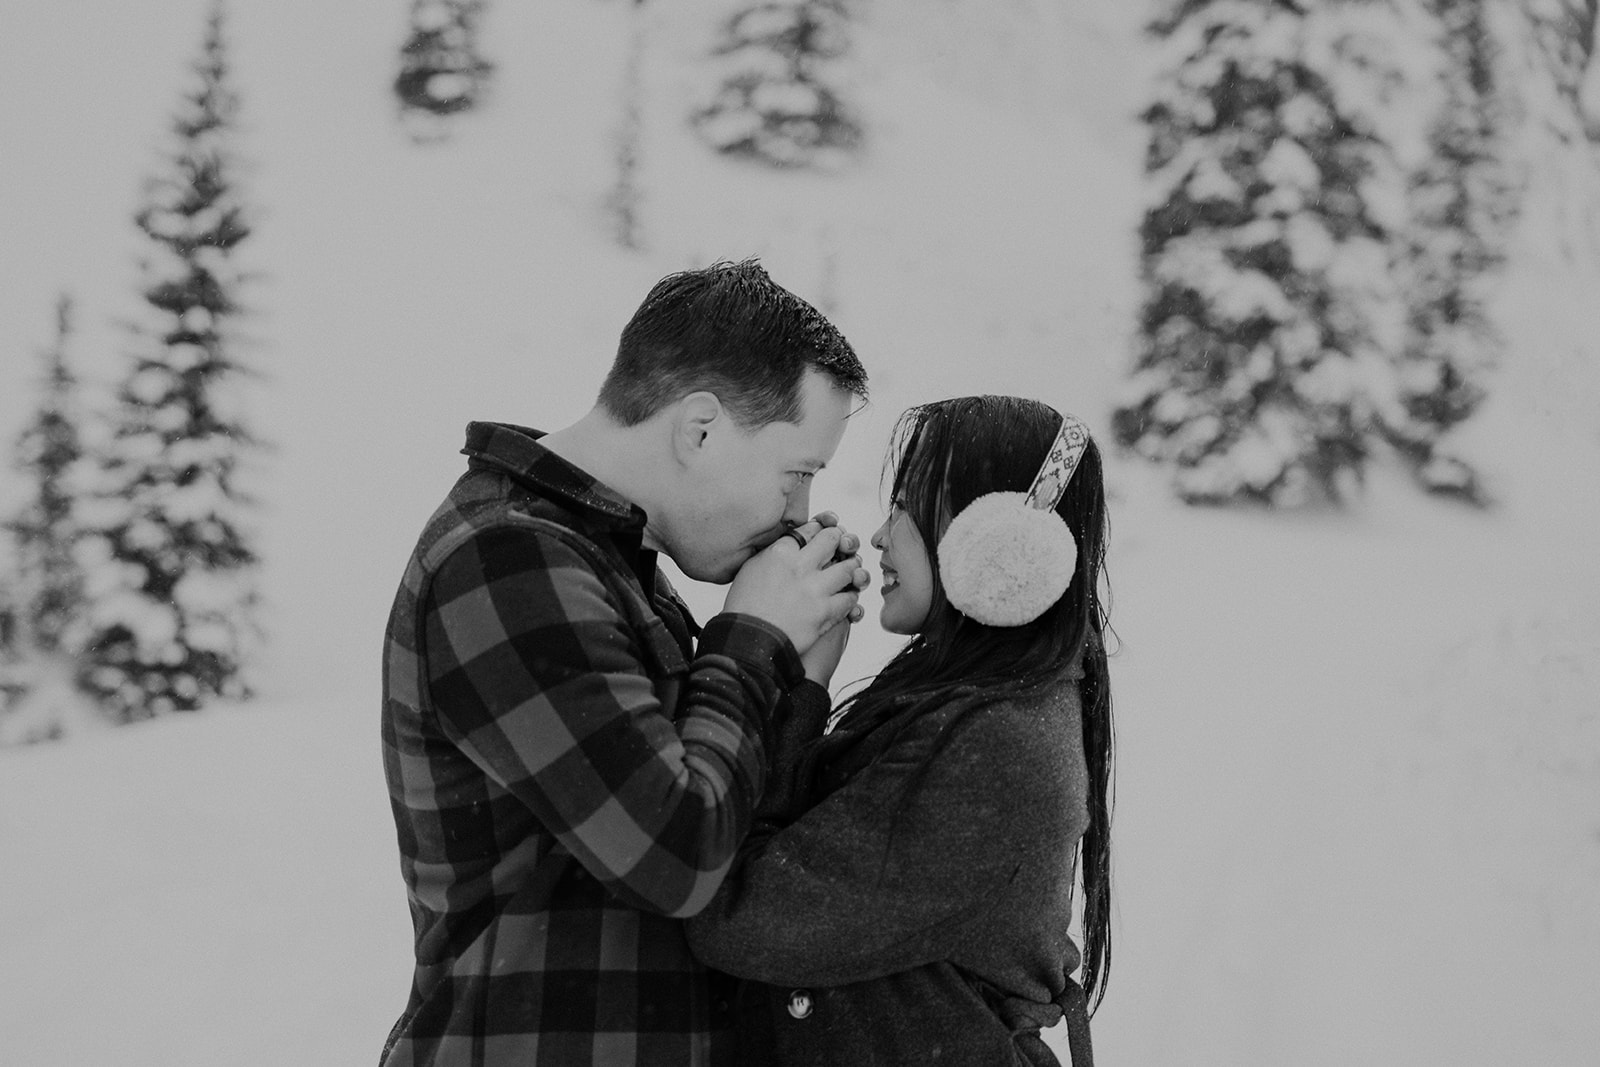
(172, 577)
(11, 612)
(1563, 33)
(42, 587)
(45, 530)
(1271, 317)
(1463, 199)
(441, 71)
(1550, 85)
(623, 201)
(776, 100)
(13, 680)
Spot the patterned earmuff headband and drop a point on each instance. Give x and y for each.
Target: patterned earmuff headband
(1050, 484)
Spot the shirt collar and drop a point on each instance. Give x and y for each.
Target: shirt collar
(516, 451)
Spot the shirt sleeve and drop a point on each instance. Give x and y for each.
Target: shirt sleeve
(536, 675)
(892, 871)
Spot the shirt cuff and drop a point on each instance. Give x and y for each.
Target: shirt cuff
(755, 642)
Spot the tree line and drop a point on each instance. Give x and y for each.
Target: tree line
(129, 589)
(1332, 187)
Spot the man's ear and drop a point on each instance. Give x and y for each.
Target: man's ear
(698, 416)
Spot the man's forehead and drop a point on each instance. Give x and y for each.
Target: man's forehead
(802, 445)
(824, 414)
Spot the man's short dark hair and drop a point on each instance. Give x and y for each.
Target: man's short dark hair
(731, 330)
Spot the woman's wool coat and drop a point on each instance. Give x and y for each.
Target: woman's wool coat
(906, 895)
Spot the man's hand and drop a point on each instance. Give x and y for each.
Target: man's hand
(806, 591)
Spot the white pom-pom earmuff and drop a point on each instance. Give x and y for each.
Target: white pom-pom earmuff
(1004, 563)
(1008, 557)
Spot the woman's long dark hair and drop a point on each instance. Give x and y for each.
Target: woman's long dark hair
(944, 455)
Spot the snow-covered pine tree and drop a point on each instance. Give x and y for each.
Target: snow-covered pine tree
(441, 72)
(171, 575)
(1463, 200)
(1565, 33)
(42, 610)
(10, 620)
(13, 670)
(44, 531)
(623, 202)
(11, 612)
(1270, 315)
(1551, 84)
(777, 97)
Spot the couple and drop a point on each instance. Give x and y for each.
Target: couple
(630, 839)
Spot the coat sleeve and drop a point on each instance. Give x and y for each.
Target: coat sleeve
(891, 871)
(537, 677)
(804, 714)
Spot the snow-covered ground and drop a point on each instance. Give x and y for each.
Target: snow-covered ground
(1359, 766)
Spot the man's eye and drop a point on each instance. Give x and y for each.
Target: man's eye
(804, 476)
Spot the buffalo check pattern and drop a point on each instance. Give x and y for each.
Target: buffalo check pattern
(570, 774)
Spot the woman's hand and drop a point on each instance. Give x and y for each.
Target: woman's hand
(822, 658)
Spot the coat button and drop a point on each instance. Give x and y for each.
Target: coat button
(800, 1003)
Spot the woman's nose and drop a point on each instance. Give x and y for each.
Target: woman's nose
(878, 535)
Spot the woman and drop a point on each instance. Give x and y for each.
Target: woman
(907, 893)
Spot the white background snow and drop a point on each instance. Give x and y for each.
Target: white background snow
(1359, 770)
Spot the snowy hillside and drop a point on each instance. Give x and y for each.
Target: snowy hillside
(1359, 769)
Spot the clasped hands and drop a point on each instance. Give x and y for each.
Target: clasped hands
(811, 592)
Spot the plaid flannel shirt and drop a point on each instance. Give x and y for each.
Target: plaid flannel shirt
(569, 776)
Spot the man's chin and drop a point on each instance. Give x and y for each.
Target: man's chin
(715, 572)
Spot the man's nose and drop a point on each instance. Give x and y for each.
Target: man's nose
(798, 507)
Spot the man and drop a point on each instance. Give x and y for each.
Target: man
(571, 771)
